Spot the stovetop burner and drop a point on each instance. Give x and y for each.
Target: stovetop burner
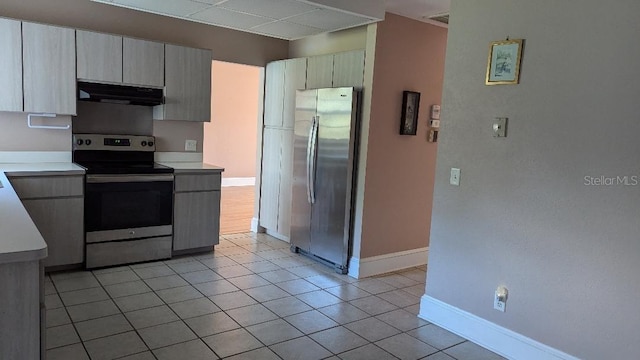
(116, 154)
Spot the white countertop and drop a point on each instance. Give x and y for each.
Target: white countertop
(20, 239)
(191, 166)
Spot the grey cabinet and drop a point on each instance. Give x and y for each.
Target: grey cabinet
(320, 72)
(274, 93)
(114, 59)
(99, 56)
(187, 85)
(143, 62)
(49, 68)
(196, 214)
(56, 206)
(10, 65)
(348, 69)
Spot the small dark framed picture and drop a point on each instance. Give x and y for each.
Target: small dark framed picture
(410, 108)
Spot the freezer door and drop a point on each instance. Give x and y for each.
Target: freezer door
(333, 174)
(306, 103)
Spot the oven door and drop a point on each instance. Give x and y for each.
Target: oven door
(120, 207)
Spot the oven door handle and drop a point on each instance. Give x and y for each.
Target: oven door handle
(101, 179)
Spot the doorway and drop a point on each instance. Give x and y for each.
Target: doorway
(231, 140)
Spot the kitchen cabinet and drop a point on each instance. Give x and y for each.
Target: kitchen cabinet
(114, 59)
(274, 93)
(187, 85)
(99, 56)
(143, 62)
(270, 182)
(49, 68)
(10, 65)
(348, 69)
(56, 206)
(320, 72)
(295, 78)
(196, 215)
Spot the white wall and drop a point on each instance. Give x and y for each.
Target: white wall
(522, 216)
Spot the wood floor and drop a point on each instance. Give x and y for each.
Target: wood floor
(236, 209)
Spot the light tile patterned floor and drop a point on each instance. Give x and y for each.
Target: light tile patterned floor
(250, 299)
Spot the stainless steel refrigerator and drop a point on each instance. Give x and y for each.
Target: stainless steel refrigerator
(324, 171)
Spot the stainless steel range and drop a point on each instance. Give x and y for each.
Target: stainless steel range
(128, 208)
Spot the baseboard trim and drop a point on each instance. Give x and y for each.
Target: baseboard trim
(13, 157)
(376, 265)
(239, 181)
(255, 226)
(496, 338)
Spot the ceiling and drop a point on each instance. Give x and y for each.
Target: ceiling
(286, 19)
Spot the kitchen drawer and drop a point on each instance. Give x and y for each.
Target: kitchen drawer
(200, 182)
(47, 186)
(125, 252)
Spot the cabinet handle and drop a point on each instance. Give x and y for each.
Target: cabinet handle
(29, 116)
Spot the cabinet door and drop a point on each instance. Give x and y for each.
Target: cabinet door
(49, 61)
(274, 93)
(10, 65)
(286, 177)
(320, 72)
(196, 220)
(270, 182)
(143, 62)
(99, 56)
(187, 84)
(60, 222)
(295, 78)
(348, 69)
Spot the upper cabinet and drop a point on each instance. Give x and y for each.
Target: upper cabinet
(348, 69)
(10, 65)
(187, 85)
(274, 93)
(320, 72)
(99, 56)
(114, 59)
(143, 62)
(49, 59)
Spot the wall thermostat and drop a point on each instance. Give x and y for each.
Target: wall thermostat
(435, 112)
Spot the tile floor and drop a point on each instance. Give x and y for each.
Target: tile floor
(250, 299)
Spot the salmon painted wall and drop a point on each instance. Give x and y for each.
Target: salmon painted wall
(400, 168)
(230, 139)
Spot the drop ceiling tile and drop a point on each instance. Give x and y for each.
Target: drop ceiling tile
(168, 7)
(286, 30)
(328, 19)
(228, 18)
(277, 9)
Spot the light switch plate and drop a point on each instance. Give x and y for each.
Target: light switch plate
(500, 127)
(454, 179)
(191, 145)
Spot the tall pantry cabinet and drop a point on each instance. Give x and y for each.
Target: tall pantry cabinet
(282, 79)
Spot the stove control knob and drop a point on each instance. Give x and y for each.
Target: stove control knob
(143, 143)
(150, 143)
(88, 142)
(80, 142)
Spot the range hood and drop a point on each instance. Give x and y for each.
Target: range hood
(119, 94)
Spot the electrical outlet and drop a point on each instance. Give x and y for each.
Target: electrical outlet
(454, 179)
(500, 299)
(191, 145)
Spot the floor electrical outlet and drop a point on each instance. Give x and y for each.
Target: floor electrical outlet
(191, 145)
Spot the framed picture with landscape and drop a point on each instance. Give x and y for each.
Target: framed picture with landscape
(503, 65)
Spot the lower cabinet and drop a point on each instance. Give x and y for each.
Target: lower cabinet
(55, 203)
(196, 214)
(60, 221)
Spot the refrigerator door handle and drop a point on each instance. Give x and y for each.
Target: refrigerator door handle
(314, 155)
(309, 145)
